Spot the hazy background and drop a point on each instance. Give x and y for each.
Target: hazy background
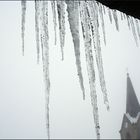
(22, 97)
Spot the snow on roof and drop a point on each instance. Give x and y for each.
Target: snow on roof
(133, 120)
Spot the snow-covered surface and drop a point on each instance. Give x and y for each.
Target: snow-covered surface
(132, 119)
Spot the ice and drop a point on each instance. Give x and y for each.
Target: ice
(73, 17)
(61, 19)
(23, 5)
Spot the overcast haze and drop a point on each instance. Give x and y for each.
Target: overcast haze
(22, 96)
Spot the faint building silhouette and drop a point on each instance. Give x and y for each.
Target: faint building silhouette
(130, 128)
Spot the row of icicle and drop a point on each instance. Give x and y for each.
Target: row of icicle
(86, 14)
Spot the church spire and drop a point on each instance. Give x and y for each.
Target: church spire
(132, 104)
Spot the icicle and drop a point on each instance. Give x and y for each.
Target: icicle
(92, 8)
(53, 3)
(110, 16)
(128, 21)
(121, 14)
(45, 58)
(137, 26)
(102, 22)
(116, 19)
(103, 7)
(133, 30)
(89, 60)
(37, 27)
(61, 18)
(73, 17)
(124, 15)
(23, 5)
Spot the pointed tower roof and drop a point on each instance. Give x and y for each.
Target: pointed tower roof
(132, 105)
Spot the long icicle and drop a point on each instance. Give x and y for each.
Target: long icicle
(102, 22)
(23, 5)
(110, 16)
(53, 4)
(90, 66)
(133, 30)
(61, 19)
(99, 59)
(45, 58)
(128, 21)
(73, 17)
(121, 14)
(37, 28)
(92, 8)
(116, 19)
(124, 15)
(137, 26)
(103, 8)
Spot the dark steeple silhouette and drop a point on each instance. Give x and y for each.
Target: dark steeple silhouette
(130, 128)
(132, 104)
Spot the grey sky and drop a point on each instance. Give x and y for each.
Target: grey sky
(22, 97)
